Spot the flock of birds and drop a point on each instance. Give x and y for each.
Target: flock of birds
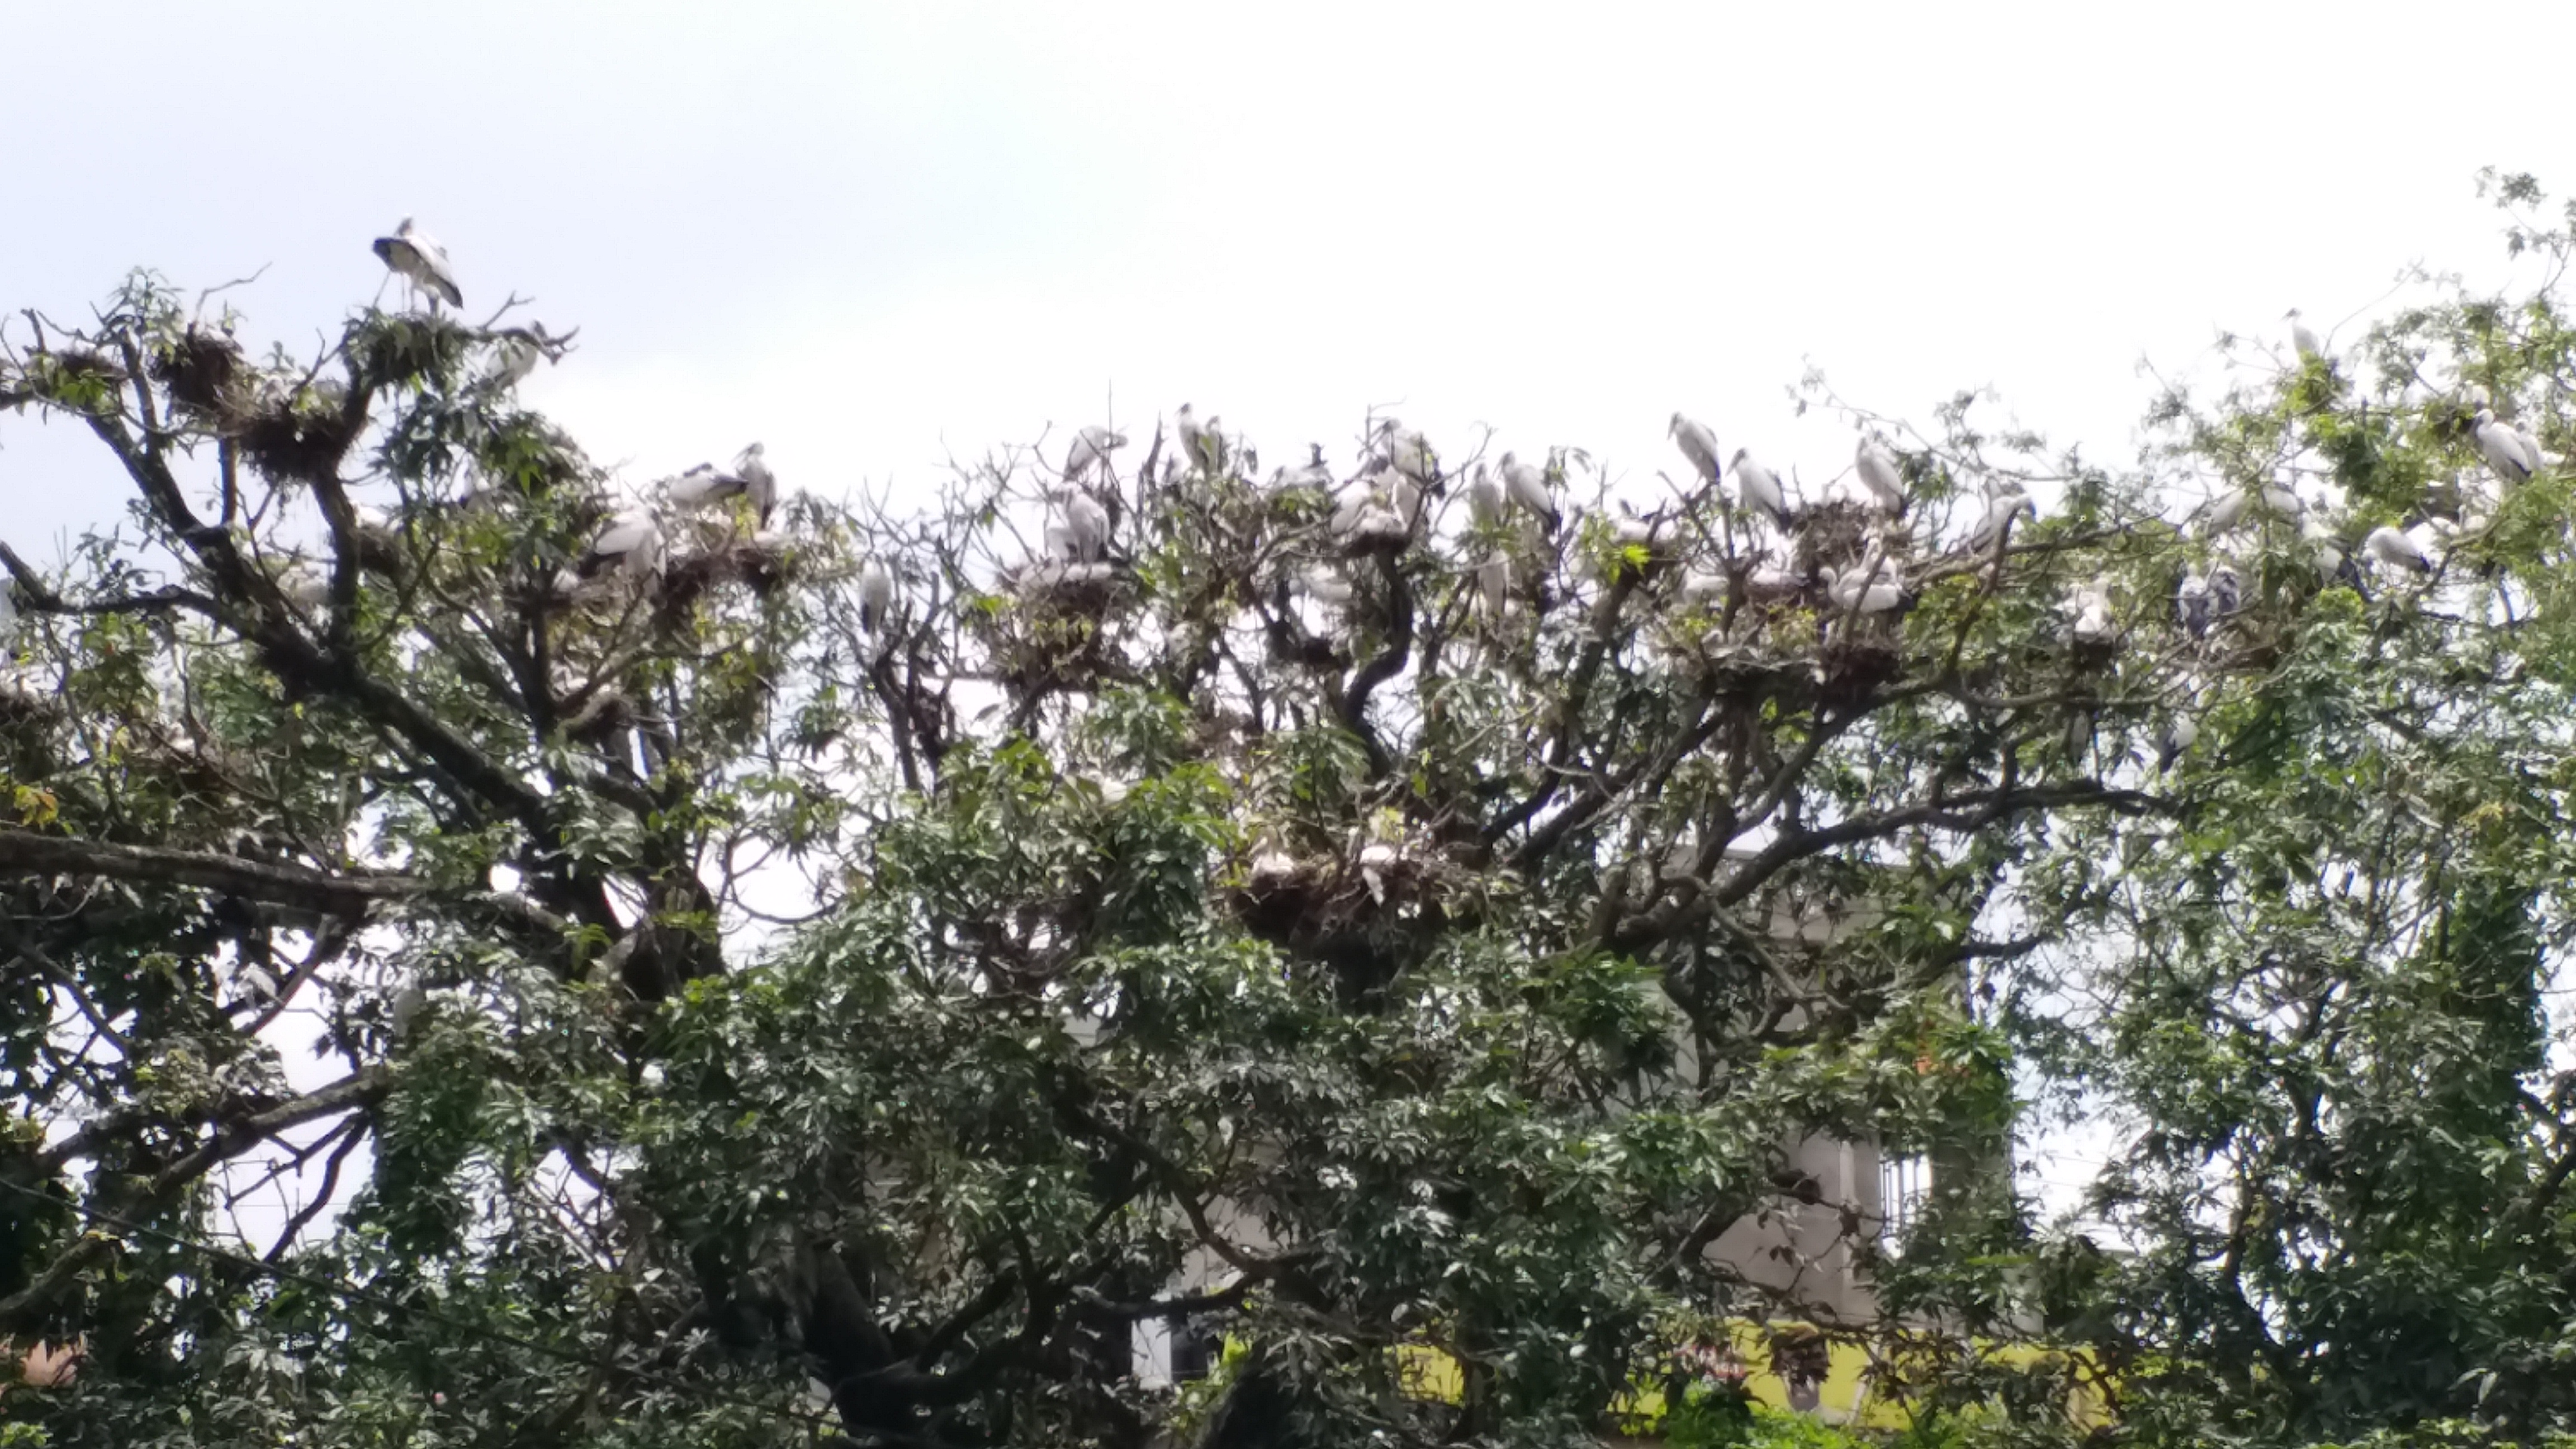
(1518, 518)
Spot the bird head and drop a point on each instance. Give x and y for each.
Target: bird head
(1676, 427)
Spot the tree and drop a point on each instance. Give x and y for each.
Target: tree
(879, 949)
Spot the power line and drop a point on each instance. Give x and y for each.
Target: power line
(357, 1294)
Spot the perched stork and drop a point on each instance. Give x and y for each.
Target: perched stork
(1760, 487)
(2301, 337)
(1484, 499)
(1527, 487)
(2001, 508)
(1090, 450)
(876, 596)
(2174, 740)
(1313, 475)
(2502, 447)
(1087, 526)
(703, 485)
(2226, 592)
(1699, 445)
(2392, 547)
(758, 483)
(632, 541)
(1856, 590)
(2192, 603)
(1411, 454)
(413, 256)
(1879, 475)
(1194, 437)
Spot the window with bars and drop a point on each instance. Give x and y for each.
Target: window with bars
(1903, 1183)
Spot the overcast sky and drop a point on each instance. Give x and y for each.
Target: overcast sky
(871, 236)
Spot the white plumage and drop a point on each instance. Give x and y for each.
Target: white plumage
(1086, 526)
(2502, 447)
(2001, 509)
(1527, 487)
(1760, 487)
(631, 541)
(702, 485)
(2302, 338)
(412, 254)
(758, 483)
(1484, 499)
(2179, 733)
(2392, 547)
(1090, 450)
(2191, 602)
(1878, 473)
(876, 596)
(1857, 590)
(1698, 444)
(1194, 437)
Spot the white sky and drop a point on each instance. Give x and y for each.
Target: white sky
(870, 235)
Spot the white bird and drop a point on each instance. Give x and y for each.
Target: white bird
(2301, 337)
(2001, 508)
(1634, 532)
(1405, 496)
(1878, 473)
(1698, 444)
(1411, 454)
(2174, 739)
(1194, 438)
(632, 541)
(1313, 475)
(2191, 601)
(516, 358)
(2332, 563)
(2392, 547)
(2225, 512)
(1270, 863)
(415, 257)
(1858, 591)
(406, 1009)
(1527, 487)
(1484, 499)
(702, 485)
(2502, 447)
(2090, 609)
(758, 483)
(2226, 592)
(876, 596)
(1760, 487)
(1091, 449)
(2284, 500)
(1494, 585)
(1376, 859)
(1087, 526)
(8, 614)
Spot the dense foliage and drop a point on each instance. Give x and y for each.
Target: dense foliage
(842, 970)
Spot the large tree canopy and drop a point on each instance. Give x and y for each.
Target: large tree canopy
(1390, 914)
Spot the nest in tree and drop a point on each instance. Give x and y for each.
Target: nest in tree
(1365, 925)
(203, 372)
(1832, 536)
(390, 349)
(1849, 671)
(300, 437)
(1742, 671)
(76, 364)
